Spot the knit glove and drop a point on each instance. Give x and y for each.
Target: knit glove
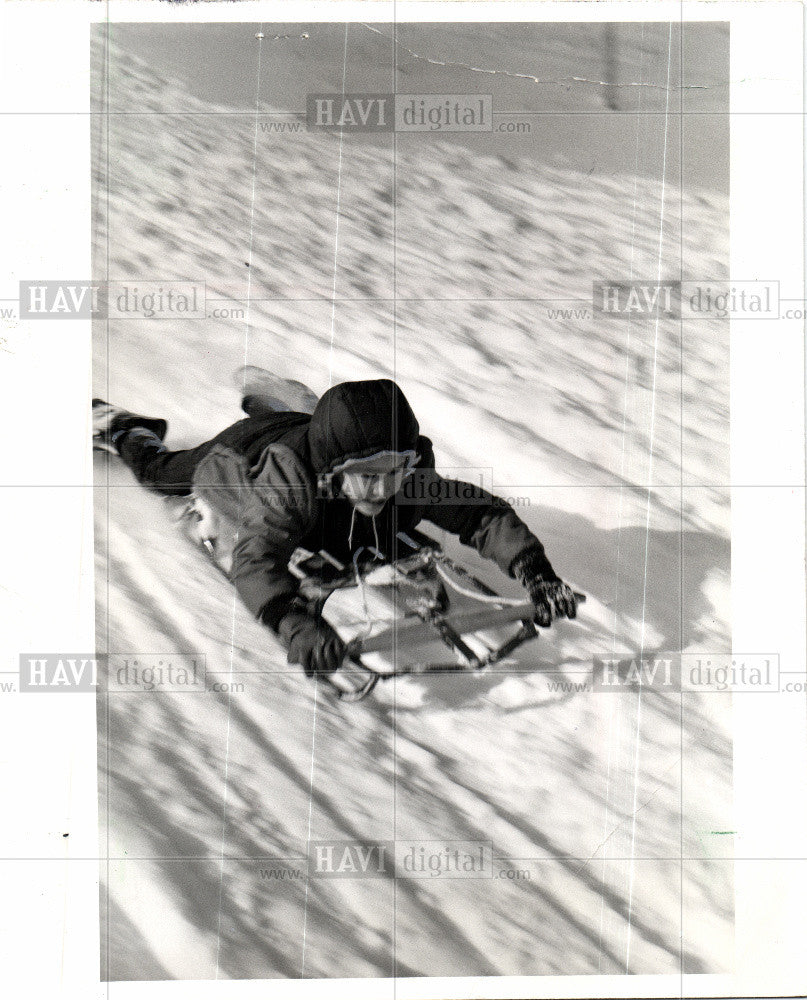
(312, 642)
(550, 595)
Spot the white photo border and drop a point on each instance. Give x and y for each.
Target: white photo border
(49, 758)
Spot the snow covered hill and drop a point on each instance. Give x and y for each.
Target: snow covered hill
(467, 278)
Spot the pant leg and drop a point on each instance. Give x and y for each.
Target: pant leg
(153, 465)
(170, 472)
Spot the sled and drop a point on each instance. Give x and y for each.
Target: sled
(423, 598)
(483, 629)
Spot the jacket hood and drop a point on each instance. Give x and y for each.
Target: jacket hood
(357, 419)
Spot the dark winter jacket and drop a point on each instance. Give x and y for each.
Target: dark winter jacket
(274, 488)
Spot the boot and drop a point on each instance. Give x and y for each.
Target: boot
(110, 424)
(263, 392)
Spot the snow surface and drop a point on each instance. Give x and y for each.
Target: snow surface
(609, 802)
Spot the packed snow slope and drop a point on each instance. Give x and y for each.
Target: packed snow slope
(466, 277)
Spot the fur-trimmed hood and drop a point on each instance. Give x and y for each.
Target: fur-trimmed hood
(357, 419)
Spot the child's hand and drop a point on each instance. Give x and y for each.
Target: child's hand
(313, 643)
(550, 595)
(552, 599)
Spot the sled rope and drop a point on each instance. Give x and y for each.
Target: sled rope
(476, 594)
(359, 576)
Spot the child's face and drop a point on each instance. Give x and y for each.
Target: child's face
(371, 483)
